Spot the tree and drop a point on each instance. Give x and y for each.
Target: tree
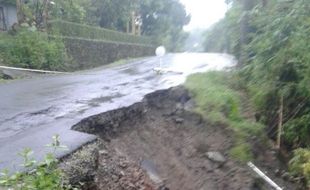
(164, 19)
(161, 19)
(69, 10)
(18, 11)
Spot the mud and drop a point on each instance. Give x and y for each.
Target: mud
(160, 143)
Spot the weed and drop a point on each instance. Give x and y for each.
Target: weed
(300, 164)
(241, 152)
(39, 175)
(219, 103)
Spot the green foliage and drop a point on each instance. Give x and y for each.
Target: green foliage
(164, 20)
(275, 59)
(296, 131)
(33, 12)
(44, 175)
(224, 35)
(241, 152)
(213, 95)
(12, 2)
(274, 53)
(112, 14)
(278, 59)
(68, 10)
(33, 50)
(300, 164)
(220, 103)
(90, 32)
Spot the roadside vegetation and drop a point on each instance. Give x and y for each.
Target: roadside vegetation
(36, 41)
(43, 175)
(219, 101)
(32, 49)
(273, 52)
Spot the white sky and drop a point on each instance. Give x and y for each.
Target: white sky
(204, 12)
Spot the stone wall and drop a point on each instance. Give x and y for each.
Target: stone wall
(87, 53)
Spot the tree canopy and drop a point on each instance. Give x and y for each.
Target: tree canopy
(161, 19)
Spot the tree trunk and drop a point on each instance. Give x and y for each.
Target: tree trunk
(45, 13)
(133, 23)
(18, 11)
(128, 27)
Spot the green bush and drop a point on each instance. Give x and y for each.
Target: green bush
(300, 164)
(71, 29)
(32, 50)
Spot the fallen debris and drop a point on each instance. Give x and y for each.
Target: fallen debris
(158, 144)
(216, 157)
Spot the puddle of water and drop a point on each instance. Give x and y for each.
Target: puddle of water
(102, 99)
(130, 71)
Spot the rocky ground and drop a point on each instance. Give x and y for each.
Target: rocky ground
(158, 143)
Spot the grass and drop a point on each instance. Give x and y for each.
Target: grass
(220, 104)
(241, 152)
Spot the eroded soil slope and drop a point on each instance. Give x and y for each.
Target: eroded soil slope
(163, 138)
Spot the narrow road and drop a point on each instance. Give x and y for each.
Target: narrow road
(33, 110)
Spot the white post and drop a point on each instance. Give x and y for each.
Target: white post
(265, 177)
(160, 52)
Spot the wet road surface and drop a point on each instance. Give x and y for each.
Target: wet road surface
(33, 110)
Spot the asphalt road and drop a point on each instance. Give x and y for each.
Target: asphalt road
(33, 110)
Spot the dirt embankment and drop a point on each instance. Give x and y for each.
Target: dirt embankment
(158, 143)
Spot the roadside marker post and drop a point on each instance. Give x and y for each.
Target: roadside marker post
(264, 176)
(160, 52)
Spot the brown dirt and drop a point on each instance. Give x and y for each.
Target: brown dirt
(162, 138)
(161, 144)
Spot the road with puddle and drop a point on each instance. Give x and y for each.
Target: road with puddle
(33, 110)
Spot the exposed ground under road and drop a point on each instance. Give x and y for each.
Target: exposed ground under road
(33, 110)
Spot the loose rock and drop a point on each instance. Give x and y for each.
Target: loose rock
(216, 157)
(179, 120)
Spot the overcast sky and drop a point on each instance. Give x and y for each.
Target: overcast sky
(204, 12)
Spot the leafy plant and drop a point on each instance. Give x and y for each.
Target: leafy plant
(32, 49)
(300, 164)
(42, 175)
(241, 152)
(274, 63)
